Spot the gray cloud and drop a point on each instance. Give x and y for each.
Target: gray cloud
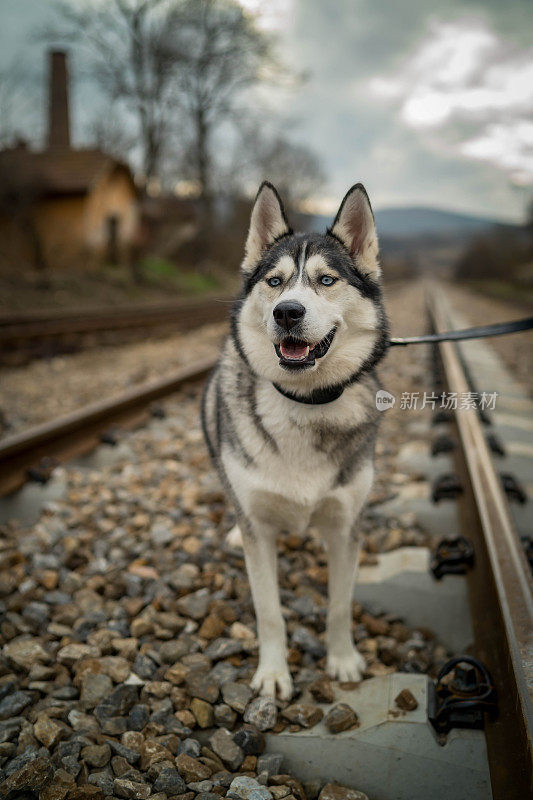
(473, 164)
(376, 136)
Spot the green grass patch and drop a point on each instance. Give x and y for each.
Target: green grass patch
(160, 271)
(504, 290)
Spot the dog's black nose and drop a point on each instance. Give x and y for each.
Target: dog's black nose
(288, 313)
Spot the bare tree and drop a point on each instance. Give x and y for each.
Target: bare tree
(134, 52)
(172, 64)
(225, 53)
(292, 167)
(110, 134)
(17, 105)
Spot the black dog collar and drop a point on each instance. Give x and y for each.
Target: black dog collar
(317, 398)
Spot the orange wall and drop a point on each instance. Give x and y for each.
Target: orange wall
(113, 195)
(60, 225)
(74, 229)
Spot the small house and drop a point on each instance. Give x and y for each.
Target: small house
(65, 206)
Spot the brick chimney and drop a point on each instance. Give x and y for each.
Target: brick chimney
(58, 105)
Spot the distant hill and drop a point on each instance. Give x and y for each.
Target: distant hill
(399, 223)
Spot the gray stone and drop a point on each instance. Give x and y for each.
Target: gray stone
(94, 688)
(138, 717)
(262, 713)
(190, 747)
(104, 781)
(14, 703)
(201, 786)
(161, 533)
(36, 614)
(225, 716)
(223, 672)
(223, 648)
(202, 686)
(226, 749)
(245, 788)
(236, 695)
(308, 642)
(172, 651)
(96, 755)
(25, 652)
(9, 729)
(132, 756)
(118, 703)
(194, 605)
(170, 782)
(144, 667)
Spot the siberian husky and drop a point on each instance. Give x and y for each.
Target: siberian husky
(289, 414)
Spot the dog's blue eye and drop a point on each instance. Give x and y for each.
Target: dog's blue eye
(274, 281)
(327, 280)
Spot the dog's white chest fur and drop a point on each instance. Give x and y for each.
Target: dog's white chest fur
(291, 481)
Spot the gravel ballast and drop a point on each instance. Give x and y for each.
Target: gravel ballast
(128, 637)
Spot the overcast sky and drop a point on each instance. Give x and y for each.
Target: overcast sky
(427, 103)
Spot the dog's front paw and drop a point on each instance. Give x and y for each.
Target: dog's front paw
(269, 678)
(347, 667)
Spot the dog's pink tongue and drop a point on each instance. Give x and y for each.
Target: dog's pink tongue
(293, 349)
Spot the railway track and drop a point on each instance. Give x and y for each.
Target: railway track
(500, 582)
(27, 336)
(32, 454)
(486, 719)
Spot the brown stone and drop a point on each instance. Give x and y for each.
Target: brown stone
(340, 718)
(152, 752)
(322, 690)
(212, 627)
(47, 731)
(49, 578)
(203, 712)
(32, 776)
(191, 769)
(375, 626)
(177, 673)
(249, 764)
(287, 780)
(333, 792)
(85, 792)
(406, 700)
(186, 717)
(305, 714)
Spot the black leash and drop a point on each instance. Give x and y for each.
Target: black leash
(497, 329)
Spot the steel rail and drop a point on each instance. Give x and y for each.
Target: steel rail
(500, 588)
(80, 431)
(19, 329)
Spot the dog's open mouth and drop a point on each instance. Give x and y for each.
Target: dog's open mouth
(296, 353)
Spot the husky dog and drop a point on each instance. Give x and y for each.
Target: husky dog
(289, 414)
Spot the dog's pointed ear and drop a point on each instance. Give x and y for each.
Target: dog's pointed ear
(354, 227)
(268, 223)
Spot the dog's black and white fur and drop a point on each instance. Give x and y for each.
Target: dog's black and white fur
(289, 413)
